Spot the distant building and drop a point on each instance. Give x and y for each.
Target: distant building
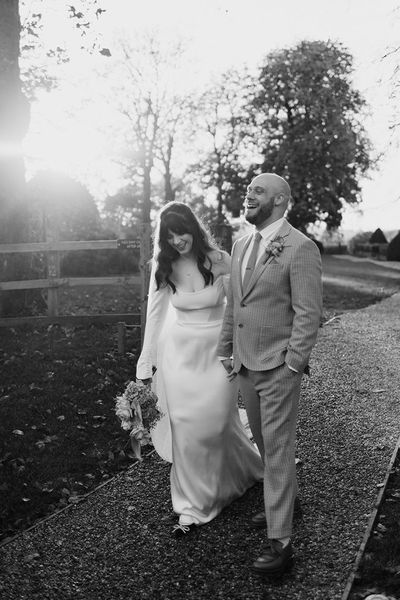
(393, 249)
(378, 237)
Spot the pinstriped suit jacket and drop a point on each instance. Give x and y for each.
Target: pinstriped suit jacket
(276, 319)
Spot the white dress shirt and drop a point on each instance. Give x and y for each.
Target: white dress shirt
(267, 234)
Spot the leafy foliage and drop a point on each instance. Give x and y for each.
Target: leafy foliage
(224, 112)
(360, 238)
(313, 135)
(123, 209)
(66, 206)
(39, 61)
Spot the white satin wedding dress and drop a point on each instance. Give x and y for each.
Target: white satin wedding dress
(213, 459)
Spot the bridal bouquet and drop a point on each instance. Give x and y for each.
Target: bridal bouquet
(138, 413)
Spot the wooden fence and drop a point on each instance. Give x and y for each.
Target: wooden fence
(52, 250)
(377, 251)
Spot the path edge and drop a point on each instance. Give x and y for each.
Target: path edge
(371, 524)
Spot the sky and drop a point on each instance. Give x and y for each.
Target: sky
(231, 33)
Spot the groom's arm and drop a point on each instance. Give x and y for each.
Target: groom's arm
(225, 343)
(306, 291)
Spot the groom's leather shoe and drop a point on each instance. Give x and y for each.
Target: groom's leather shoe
(274, 560)
(258, 520)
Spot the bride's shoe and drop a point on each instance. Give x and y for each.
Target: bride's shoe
(182, 530)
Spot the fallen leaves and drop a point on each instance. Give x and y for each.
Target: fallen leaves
(58, 431)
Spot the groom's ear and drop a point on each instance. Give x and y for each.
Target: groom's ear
(281, 200)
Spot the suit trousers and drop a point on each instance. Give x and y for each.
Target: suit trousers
(271, 400)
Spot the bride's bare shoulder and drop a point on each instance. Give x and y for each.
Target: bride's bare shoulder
(220, 262)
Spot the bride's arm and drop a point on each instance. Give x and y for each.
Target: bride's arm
(157, 306)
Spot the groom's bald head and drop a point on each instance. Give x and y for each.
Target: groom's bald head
(267, 199)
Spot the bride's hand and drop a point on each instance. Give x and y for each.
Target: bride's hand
(144, 381)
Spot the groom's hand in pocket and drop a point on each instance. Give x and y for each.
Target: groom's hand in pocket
(291, 371)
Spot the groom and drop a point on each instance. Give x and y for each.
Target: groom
(270, 327)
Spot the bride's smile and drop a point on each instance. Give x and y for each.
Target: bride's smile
(181, 242)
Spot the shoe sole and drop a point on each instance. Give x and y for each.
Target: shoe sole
(262, 525)
(274, 573)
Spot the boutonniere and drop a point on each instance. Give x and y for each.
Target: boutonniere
(275, 247)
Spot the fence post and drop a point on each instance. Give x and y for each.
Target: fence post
(53, 270)
(145, 255)
(121, 337)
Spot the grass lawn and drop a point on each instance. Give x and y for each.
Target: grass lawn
(59, 437)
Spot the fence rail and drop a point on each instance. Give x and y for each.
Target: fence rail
(127, 318)
(67, 246)
(52, 248)
(58, 282)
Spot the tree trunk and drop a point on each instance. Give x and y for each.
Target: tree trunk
(169, 190)
(146, 193)
(14, 122)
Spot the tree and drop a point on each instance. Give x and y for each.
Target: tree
(37, 61)
(147, 99)
(121, 211)
(66, 206)
(174, 125)
(14, 122)
(224, 112)
(311, 118)
(360, 239)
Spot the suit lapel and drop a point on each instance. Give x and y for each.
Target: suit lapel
(263, 263)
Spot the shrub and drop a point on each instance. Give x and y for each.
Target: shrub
(336, 249)
(360, 238)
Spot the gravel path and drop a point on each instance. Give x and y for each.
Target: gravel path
(117, 543)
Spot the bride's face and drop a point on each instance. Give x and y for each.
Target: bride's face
(181, 242)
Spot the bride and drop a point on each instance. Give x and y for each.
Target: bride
(213, 460)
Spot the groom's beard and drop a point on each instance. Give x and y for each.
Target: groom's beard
(259, 215)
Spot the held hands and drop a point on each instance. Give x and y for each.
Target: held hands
(228, 366)
(144, 381)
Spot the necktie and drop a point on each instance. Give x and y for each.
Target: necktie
(251, 263)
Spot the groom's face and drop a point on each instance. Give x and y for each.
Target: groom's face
(259, 202)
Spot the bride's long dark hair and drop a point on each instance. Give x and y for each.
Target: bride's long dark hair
(179, 218)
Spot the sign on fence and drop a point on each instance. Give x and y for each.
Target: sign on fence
(129, 244)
